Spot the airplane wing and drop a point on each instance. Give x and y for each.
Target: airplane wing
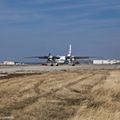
(78, 57)
(54, 57)
(44, 57)
(81, 57)
(40, 57)
(86, 57)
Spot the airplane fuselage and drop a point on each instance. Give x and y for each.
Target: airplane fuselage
(61, 60)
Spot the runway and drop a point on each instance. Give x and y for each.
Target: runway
(38, 68)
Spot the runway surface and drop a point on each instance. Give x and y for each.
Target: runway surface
(38, 68)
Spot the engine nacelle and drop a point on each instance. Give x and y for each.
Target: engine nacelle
(72, 58)
(50, 58)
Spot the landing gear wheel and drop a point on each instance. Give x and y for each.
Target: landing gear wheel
(57, 64)
(73, 64)
(51, 64)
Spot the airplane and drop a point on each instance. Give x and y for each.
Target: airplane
(57, 60)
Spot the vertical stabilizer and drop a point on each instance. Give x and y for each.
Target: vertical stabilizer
(70, 50)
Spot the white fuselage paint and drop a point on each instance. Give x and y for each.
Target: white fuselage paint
(61, 60)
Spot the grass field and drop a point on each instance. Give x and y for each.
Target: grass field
(62, 95)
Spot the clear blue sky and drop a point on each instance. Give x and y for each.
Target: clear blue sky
(37, 27)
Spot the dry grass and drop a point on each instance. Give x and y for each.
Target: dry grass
(73, 95)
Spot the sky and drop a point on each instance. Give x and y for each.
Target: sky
(39, 27)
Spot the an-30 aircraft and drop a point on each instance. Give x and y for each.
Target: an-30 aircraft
(56, 60)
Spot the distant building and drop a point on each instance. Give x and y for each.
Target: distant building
(106, 62)
(8, 63)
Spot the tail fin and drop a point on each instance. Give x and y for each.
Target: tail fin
(70, 50)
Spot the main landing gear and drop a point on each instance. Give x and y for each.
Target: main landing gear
(53, 64)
